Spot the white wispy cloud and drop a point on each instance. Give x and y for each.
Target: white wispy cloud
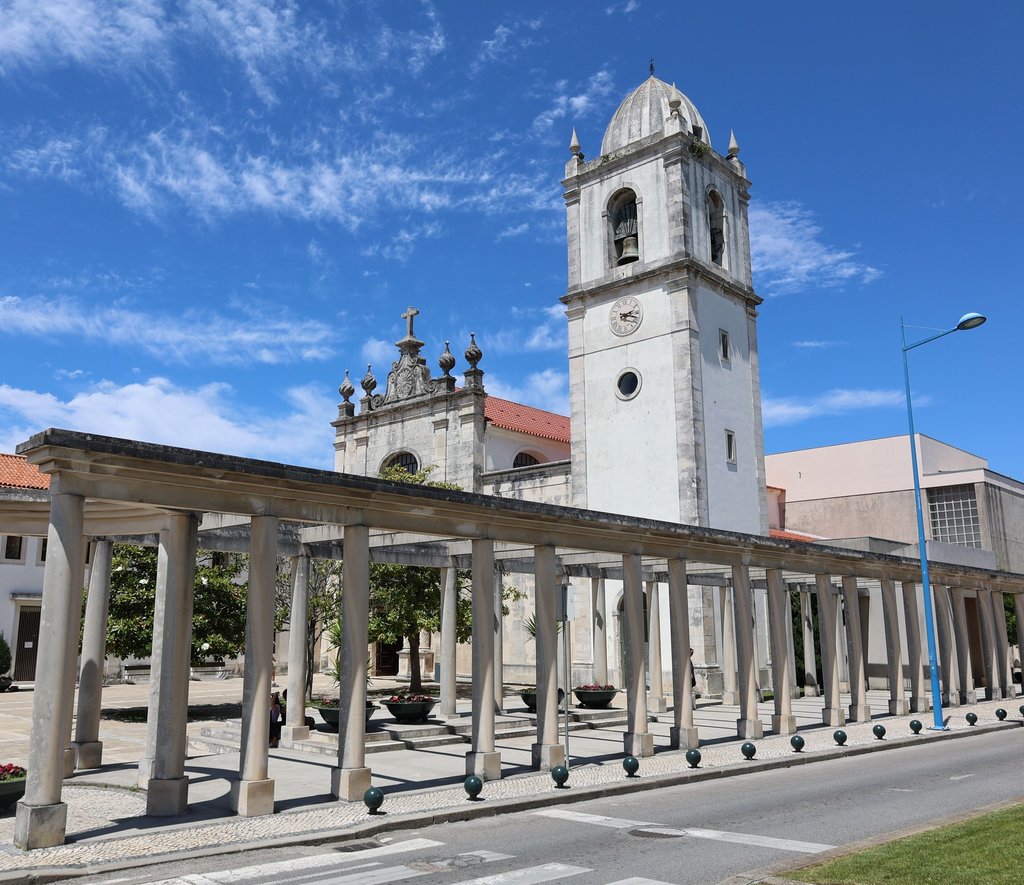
(508, 40)
(192, 337)
(378, 352)
(817, 345)
(400, 246)
(513, 231)
(626, 8)
(531, 330)
(574, 104)
(547, 389)
(792, 410)
(788, 254)
(157, 410)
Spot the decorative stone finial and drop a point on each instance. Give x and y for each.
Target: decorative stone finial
(346, 390)
(675, 101)
(734, 146)
(574, 144)
(651, 68)
(473, 353)
(369, 383)
(446, 361)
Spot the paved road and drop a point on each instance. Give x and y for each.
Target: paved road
(698, 833)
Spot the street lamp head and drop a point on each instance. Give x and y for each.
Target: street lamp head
(970, 321)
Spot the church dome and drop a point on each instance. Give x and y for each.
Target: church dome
(643, 112)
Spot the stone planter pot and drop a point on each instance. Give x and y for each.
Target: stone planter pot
(330, 714)
(11, 792)
(595, 699)
(410, 711)
(530, 699)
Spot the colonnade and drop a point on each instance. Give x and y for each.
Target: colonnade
(232, 485)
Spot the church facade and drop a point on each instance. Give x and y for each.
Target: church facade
(665, 412)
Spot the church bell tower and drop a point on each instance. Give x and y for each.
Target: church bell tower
(664, 383)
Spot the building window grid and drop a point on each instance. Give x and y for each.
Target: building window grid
(953, 512)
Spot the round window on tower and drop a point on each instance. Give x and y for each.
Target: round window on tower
(627, 385)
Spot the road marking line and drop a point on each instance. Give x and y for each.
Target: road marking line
(637, 880)
(548, 872)
(597, 819)
(898, 790)
(762, 841)
(313, 862)
(960, 777)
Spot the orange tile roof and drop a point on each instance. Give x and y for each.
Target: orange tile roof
(791, 536)
(526, 419)
(17, 473)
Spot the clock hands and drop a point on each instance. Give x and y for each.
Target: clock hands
(628, 315)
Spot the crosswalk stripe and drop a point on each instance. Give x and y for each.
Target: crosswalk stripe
(548, 872)
(639, 880)
(597, 819)
(298, 864)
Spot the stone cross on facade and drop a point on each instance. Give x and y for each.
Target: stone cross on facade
(409, 315)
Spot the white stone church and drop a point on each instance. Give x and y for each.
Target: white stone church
(665, 401)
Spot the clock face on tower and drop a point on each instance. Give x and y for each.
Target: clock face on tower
(626, 315)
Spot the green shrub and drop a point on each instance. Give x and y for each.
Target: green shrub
(5, 655)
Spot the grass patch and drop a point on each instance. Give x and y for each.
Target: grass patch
(196, 713)
(986, 849)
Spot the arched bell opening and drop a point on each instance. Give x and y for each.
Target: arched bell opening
(625, 231)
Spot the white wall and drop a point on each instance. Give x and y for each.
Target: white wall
(501, 447)
(23, 577)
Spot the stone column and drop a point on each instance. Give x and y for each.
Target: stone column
(351, 778)
(842, 652)
(832, 715)
(730, 690)
(793, 684)
(638, 740)
(499, 655)
(656, 694)
(449, 601)
(162, 767)
(749, 725)
(253, 793)
(947, 653)
(811, 687)
(965, 673)
(859, 710)
(88, 747)
(482, 760)
(295, 728)
(547, 752)
(41, 820)
(682, 734)
(898, 705)
(780, 631)
(988, 646)
(915, 649)
(1002, 643)
(598, 612)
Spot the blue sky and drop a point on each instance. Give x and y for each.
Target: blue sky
(209, 209)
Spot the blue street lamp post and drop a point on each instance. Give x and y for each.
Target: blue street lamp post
(967, 321)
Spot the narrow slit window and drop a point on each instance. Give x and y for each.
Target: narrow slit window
(724, 350)
(730, 447)
(716, 229)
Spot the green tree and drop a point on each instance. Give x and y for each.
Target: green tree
(219, 610)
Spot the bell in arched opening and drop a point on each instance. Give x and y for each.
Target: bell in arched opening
(624, 228)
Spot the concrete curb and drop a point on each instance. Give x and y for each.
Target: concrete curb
(484, 808)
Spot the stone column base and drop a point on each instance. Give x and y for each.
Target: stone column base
(547, 756)
(638, 744)
(749, 729)
(252, 798)
(349, 784)
(811, 691)
(167, 797)
(486, 766)
(967, 698)
(88, 754)
(833, 717)
(993, 693)
(69, 761)
(292, 733)
(682, 737)
(731, 698)
(951, 700)
(40, 826)
(919, 705)
(858, 713)
(783, 724)
(898, 708)
(656, 703)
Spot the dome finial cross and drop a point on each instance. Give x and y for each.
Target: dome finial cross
(652, 66)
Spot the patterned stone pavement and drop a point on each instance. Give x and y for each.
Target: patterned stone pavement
(107, 825)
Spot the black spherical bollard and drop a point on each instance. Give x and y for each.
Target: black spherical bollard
(797, 743)
(560, 774)
(839, 736)
(879, 732)
(693, 758)
(1000, 714)
(631, 765)
(1022, 709)
(748, 750)
(373, 798)
(916, 726)
(473, 785)
(971, 718)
